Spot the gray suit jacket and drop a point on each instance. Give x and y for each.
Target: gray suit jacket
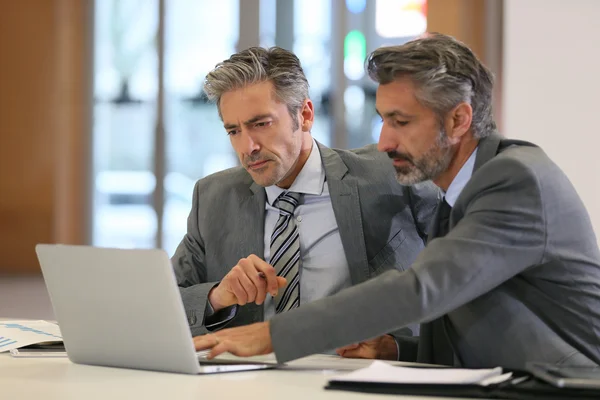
(382, 225)
(517, 277)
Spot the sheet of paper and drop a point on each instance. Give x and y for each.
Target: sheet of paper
(316, 362)
(37, 353)
(381, 372)
(16, 334)
(327, 362)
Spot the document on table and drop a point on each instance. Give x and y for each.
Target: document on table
(17, 334)
(315, 362)
(381, 372)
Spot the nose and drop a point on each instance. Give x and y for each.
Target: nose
(248, 144)
(386, 142)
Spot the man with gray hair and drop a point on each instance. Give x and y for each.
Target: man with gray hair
(297, 221)
(511, 272)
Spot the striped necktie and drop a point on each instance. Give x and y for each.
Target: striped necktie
(285, 251)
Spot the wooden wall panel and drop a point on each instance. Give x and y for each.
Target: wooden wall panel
(74, 79)
(477, 23)
(463, 19)
(38, 127)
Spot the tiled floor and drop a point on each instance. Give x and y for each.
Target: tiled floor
(24, 297)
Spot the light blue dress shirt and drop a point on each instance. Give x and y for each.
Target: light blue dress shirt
(324, 268)
(460, 180)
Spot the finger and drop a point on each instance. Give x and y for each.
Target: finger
(205, 342)
(361, 352)
(219, 349)
(261, 290)
(257, 293)
(281, 282)
(234, 347)
(350, 346)
(249, 287)
(269, 273)
(238, 291)
(353, 353)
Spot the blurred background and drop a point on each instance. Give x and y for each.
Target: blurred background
(195, 35)
(104, 128)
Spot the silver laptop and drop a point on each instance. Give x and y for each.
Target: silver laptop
(122, 308)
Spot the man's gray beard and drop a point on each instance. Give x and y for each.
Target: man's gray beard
(435, 161)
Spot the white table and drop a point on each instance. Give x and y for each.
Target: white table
(58, 378)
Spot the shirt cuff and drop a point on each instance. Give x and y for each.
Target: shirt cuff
(215, 320)
(209, 310)
(397, 348)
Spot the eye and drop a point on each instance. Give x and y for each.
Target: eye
(232, 132)
(263, 124)
(401, 123)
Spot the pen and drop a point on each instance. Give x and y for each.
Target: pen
(264, 277)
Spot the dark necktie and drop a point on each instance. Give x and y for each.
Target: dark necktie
(285, 251)
(442, 350)
(443, 218)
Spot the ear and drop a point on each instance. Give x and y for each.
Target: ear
(458, 122)
(307, 115)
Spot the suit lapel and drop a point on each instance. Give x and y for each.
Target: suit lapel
(251, 231)
(346, 208)
(251, 227)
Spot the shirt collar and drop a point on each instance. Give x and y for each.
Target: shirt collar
(460, 180)
(310, 180)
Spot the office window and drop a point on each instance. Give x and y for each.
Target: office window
(199, 34)
(125, 89)
(312, 41)
(395, 23)
(400, 18)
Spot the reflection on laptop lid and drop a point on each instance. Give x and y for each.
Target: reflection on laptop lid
(122, 308)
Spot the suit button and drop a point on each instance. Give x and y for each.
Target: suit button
(299, 218)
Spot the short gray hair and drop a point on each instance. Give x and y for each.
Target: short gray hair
(256, 65)
(446, 73)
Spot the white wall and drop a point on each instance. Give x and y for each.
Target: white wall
(551, 86)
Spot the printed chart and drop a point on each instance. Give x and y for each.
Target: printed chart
(15, 334)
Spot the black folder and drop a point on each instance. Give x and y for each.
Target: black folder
(522, 386)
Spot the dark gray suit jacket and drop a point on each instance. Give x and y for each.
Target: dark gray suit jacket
(382, 225)
(517, 277)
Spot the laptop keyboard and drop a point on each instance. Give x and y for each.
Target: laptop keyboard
(202, 354)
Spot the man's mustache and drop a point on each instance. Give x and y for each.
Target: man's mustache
(254, 158)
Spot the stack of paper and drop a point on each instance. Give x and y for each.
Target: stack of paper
(381, 372)
(17, 334)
